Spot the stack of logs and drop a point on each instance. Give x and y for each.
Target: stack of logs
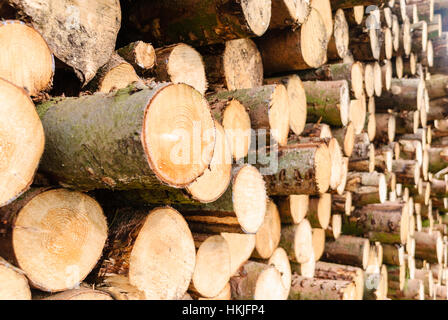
(241, 150)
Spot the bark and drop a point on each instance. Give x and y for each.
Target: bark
(297, 241)
(194, 22)
(289, 50)
(393, 255)
(347, 250)
(286, 13)
(328, 101)
(367, 188)
(365, 45)
(87, 150)
(438, 159)
(335, 4)
(293, 208)
(319, 211)
(386, 223)
(406, 93)
(140, 55)
(320, 289)
(429, 246)
(339, 41)
(440, 48)
(346, 138)
(407, 172)
(342, 203)
(437, 86)
(413, 290)
(81, 35)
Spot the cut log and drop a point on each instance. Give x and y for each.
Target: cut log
(194, 22)
(410, 65)
(335, 229)
(339, 41)
(150, 269)
(140, 55)
(225, 294)
(405, 38)
(369, 79)
(77, 152)
(240, 210)
(241, 247)
(293, 208)
(386, 45)
(301, 169)
(21, 142)
(396, 276)
(429, 246)
(297, 101)
(267, 107)
(435, 27)
(346, 138)
(329, 101)
(396, 37)
(345, 163)
(234, 65)
(321, 289)
(365, 45)
(419, 36)
(386, 223)
(319, 211)
(289, 13)
(413, 290)
(81, 35)
(440, 48)
(407, 122)
(288, 50)
(317, 130)
(114, 75)
(378, 79)
(437, 86)
(297, 240)
(347, 250)
(318, 243)
(55, 236)
(267, 237)
(355, 15)
(367, 188)
(385, 127)
(351, 72)
(440, 292)
(386, 71)
(80, 294)
(15, 284)
(28, 62)
(324, 8)
(257, 281)
(212, 268)
(332, 271)
(393, 254)
(438, 158)
(342, 203)
(428, 282)
(407, 172)
(398, 67)
(363, 156)
(406, 93)
(280, 261)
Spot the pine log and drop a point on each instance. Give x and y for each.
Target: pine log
(385, 127)
(236, 64)
(398, 67)
(289, 13)
(396, 37)
(440, 292)
(319, 211)
(334, 231)
(437, 86)
(351, 72)
(355, 15)
(212, 268)
(440, 48)
(301, 169)
(140, 55)
(413, 290)
(406, 93)
(339, 41)
(116, 74)
(149, 158)
(297, 241)
(393, 254)
(55, 236)
(367, 188)
(358, 114)
(363, 156)
(267, 237)
(317, 130)
(347, 250)
(318, 243)
(386, 73)
(396, 276)
(365, 45)
(429, 246)
(438, 158)
(332, 271)
(378, 79)
(346, 138)
(241, 247)
(21, 142)
(293, 208)
(141, 259)
(351, 3)
(345, 163)
(321, 289)
(28, 62)
(419, 36)
(406, 171)
(386, 223)
(407, 122)
(15, 284)
(297, 101)
(428, 282)
(425, 9)
(194, 22)
(329, 101)
(267, 107)
(410, 65)
(289, 50)
(369, 79)
(81, 35)
(435, 27)
(342, 203)
(257, 281)
(324, 8)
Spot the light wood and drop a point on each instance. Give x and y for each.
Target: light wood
(140, 55)
(297, 242)
(267, 237)
(15, 284)
(294, 208)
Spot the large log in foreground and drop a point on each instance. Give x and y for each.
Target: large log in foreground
(118, 140)
(21, 141)
(81, 34)
(193, 21)
(55, 236)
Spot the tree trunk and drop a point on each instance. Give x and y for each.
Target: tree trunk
(289, 50)
(81, 35)
(234, 65)
(386, 223)
(137, 270)
(437, 86)
(346, 138)
(47, 232)
(406, 93)
(359, 182)
(21, 142)
(241, 247)
(342, 203)
(267, 107)
(393, 254)
(86, 156)
(365, 45)
(429, 246)
(193, 21)
(413, 290)
(287, 13)
(407, 172)
(293, 208)
(297, 242)
(321, 289)
(347, 250)
(319, 211)
(301, 169)
(328, 101)
(140, 55)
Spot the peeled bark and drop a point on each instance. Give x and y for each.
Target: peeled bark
(82, 152)
(289, 50)
(48, 232)
(194, 22)
(141, 260)
(82, 35)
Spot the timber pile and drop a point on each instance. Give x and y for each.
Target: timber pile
(248, 150)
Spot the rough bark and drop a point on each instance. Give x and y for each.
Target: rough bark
(320, 289)
(347, 250)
